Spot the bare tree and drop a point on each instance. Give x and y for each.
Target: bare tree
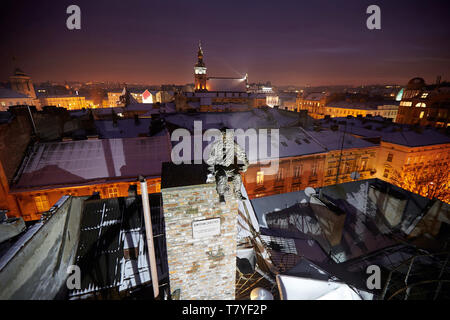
(430, 182)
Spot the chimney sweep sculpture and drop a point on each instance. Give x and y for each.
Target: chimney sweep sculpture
(226, 160)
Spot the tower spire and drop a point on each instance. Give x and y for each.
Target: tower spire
(200, 70)
(200, 62)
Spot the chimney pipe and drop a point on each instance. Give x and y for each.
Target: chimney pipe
(149, 234)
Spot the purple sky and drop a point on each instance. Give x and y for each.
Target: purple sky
(287, 42)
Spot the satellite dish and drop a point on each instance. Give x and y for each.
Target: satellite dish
(355, 175)
(310, 191)
(260, 294)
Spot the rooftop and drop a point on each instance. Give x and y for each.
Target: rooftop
(91, 161)
(315, 96)
(124, 128)
(112, 250)
(11, 94)
(377, 127)
(292, 226)
(257, 118)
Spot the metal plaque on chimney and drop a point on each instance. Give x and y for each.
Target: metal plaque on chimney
(205, 228)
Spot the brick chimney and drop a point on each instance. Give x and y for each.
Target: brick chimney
(200, 234)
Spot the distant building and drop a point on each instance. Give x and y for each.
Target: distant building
(312, 159)
(287, 101)
(210, 101)
(314, 103)
(146, 96)
(344, 108)
(417, 159)
(69, 102)
(218, 94)
(424, 104)
(204, 83)
(272, 100)
(22, 83)
(114, 97)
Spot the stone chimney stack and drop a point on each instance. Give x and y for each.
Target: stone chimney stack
(200, 235)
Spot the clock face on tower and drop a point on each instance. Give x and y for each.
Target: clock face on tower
(200, 70)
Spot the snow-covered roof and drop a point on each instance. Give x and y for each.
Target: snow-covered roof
(124, 128)
(148, 107)
(389, 132)
(85, 161)
(257, 118)
(315, 96)
(333, 141)
(291, 141)
(11, 94)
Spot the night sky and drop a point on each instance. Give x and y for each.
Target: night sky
(297, 42)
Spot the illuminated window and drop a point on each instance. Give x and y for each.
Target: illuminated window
(297, 171)
(421, 104)
(280, 174)
(260, 177)
(389, 157)
(113, 192)
(347, 168)
(314, 169)
(41, 202)
(424, 95)
(422, 113)
(363, 165)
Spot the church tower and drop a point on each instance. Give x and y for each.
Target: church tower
(200, 71)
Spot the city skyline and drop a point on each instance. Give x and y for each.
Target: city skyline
(308, 43)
